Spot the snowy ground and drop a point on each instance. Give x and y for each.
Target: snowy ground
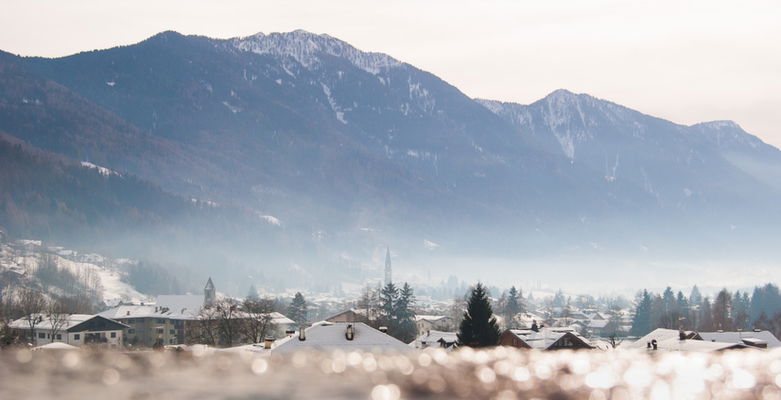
(501, 373)
(23, 257)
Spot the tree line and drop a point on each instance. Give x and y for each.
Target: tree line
(726, 311)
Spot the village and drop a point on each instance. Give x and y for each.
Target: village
(182, 322)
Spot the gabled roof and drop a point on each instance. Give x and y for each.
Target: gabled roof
(97, 323)
(328, 336)
(748, 337)
(431, 318)
(181, 303)
(46, 323)
(351, 313)
(547, 337)
(134, 311)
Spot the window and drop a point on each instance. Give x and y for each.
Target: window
(170, 341)
(59, 336)
(77, 337)
(41, 335)
(131, 331)
(160, 321)
(160, 330)
(172, 331)
(113, 334)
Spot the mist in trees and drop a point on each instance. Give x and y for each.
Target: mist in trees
(725, 311)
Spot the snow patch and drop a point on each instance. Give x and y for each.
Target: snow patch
(101, 170)
(307, 48)
(232, 108)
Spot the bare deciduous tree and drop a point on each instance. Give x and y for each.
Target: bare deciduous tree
(256, 319)
(229, 323)
(205, 330)
(57, 316)
(32, 304)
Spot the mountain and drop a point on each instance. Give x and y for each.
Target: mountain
(342, 151)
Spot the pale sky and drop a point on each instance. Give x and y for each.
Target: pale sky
(687, 61)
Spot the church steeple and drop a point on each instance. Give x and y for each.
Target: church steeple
(209, 294)
(388, 278)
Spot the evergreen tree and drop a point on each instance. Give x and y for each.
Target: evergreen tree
(389, 295)
(722, 311)
(513, 306)
(741, 304)
(705, 316)
(406, 328)
(478, 328)
(668, 319)
(297, 310)
(682, 311)
(252, 293)
(641, 320)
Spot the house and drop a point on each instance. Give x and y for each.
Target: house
(72, 329)
(345, 336)
(757, 338)
(351, 315)
(433, 322)
(544, 339)
(433, 338)
(148, 325)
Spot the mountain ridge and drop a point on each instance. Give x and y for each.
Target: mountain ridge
(350, 149)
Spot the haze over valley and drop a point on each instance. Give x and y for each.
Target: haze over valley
(294, 160)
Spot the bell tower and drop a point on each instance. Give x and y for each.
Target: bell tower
(209, 294)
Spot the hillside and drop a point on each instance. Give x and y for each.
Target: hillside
(336, 152)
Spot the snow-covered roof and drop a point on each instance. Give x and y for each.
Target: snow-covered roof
(658, 334)
(430, 318)
(181, 303)
(597, 323)
(136, 311)
(327, 336)
(675, 344)
(46, 322)
(156, 311)
(546, 337)
(742, 337)
(279, 319)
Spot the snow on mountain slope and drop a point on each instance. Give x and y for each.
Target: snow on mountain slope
(23, 257)
(306, 48)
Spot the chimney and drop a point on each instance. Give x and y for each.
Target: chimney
(290, 332)
(350, 333)
(301, 334)
(681, 335)
(648, 345)
(384, 329)
(127, 312)
(267, 343)
(653, 344)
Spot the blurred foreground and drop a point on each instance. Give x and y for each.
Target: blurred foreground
(501, 373)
